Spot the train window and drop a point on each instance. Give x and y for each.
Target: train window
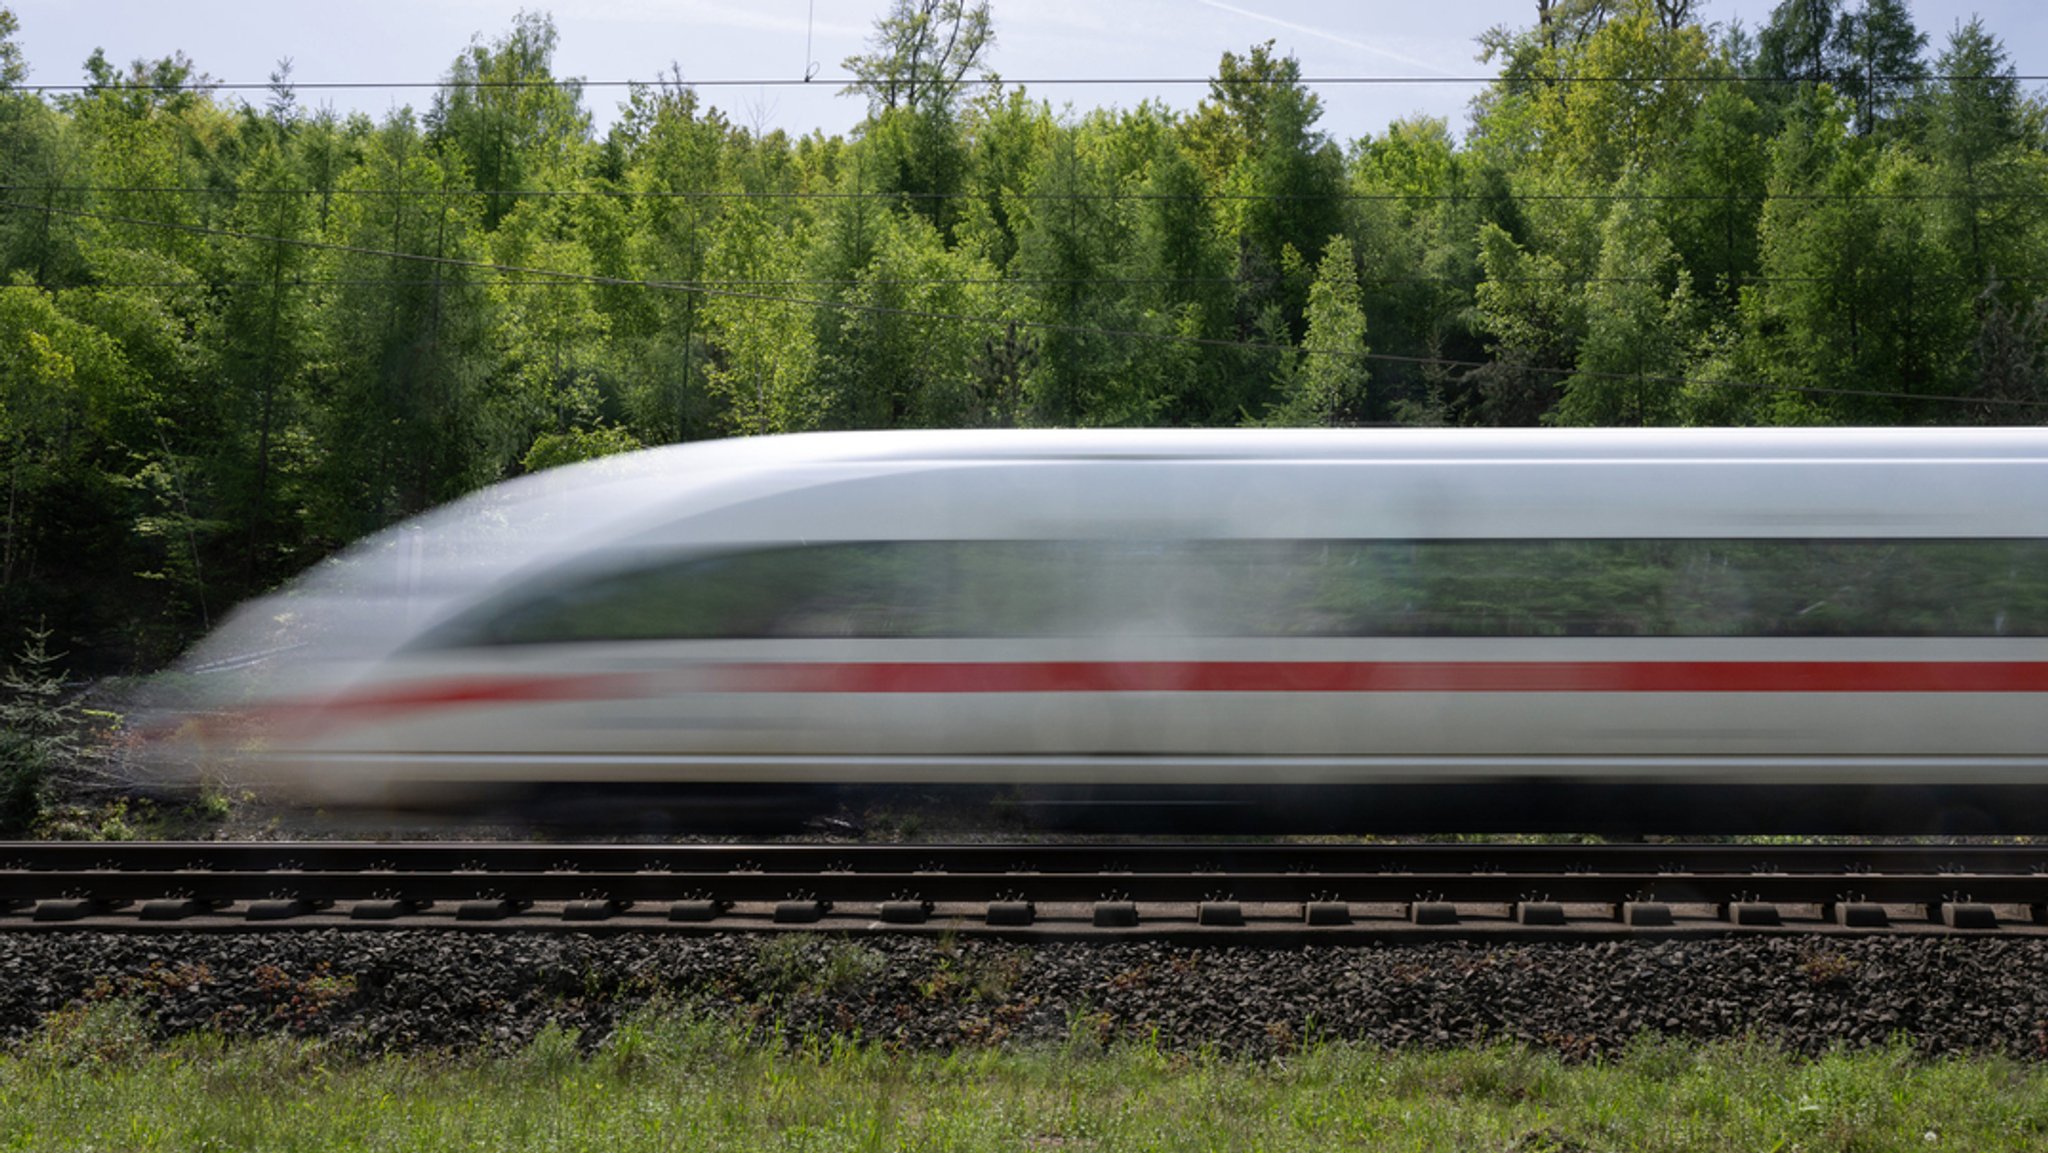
(1281, 588)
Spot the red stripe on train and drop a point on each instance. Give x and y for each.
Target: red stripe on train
(1186, 677)
(1382, 677)
(305, 717)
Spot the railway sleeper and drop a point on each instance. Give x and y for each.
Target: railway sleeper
(177, 908)
(594, 909)
(1116, 914)
(1757, 913)
(1539, 913)
(1646, 914)
(1011, 914)
(905, 912)
(1219, 913)
(1968, 915)
(1432, 913)
(801, 912)
(386, 908)
(1322, 913)
(282, 908)
(696, 909)
(490, 909)
(73, 908)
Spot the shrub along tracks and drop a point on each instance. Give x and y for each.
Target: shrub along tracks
(1208, 892)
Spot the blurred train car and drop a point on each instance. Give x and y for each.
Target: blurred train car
(1684, 631)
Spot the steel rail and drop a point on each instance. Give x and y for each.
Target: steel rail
(991, 887)
(1192, 857)
(1366, 888)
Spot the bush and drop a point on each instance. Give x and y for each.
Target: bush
(24, 766)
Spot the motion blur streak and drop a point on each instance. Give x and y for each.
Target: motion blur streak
(1652, 630)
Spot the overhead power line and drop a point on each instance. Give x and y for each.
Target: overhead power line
(997, 81)
(999, 322)
(707, 284)
(721, 194)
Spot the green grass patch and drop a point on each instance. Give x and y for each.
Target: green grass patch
(668, 1079)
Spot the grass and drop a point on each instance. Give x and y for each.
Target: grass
(667, 1080)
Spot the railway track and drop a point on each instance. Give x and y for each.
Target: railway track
(1213, 890)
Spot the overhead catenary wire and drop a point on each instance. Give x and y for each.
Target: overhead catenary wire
(708, 283)
(719, 194)
(853, 81)
(1003, 322)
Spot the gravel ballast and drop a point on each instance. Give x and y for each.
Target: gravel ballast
(410, 990)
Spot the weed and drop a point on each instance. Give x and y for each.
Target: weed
(1823, 968)
(803, 965)
(91, 1033)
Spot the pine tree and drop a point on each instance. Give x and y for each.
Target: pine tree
(37, 731)
(1329, 376)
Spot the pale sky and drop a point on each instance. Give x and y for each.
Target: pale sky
(1037, 40)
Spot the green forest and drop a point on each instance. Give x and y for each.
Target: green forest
(239, 330)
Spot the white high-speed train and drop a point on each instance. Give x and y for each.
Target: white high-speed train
(1642, 631)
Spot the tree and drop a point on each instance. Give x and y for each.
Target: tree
(1415, 221)
(37, 731)
(2011, 356)
(1870, 55)
(236, 333)
(1329, 375)
(262, 344)
(1293, 180)
(13, 68)
(1712, 187)
(1067, 243)
(921, 52)
(918, 156)
(1639, 317)
(1803, 40)
(71, 405)
(1231, 122)
(1006, 133)
(405, 422)
(1178, 271)
(1528, 305)
(1281, 180)
(1643, 113)
(1989, 206)
(549, 367)
(1855, 296)
(681, 168)
(43, 165)
(901, 361)
(503, 110)
(763, 351)
(1881, 66)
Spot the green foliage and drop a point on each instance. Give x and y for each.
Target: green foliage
(514, 125)
(24, 770)
(553, 449)
(37, 731)
(236, 335)
(898, 362)
(803, 965)
(920, 52)
(13, 68)
(1330, 376)
(1639, 326)
(764, 348)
